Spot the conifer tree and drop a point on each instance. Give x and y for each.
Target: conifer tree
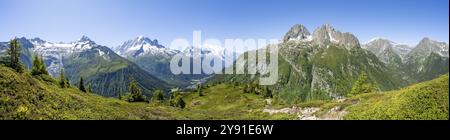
(35, 67)
(179, 102)
(81, 85)
(62, 79)
(67, 82)
(176, 100)
(362, 85)
(13, 59)
(135, 92)
(38, 66)
(173, 95)
(43, 69)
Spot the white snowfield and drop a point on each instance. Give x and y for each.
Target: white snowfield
(53, 53)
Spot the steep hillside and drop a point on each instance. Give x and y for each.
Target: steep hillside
(26, 51)
(109, 74)
(227, 101)
(25, 97)
(424, 101)
(425, 61)
(428, 60)
(389, 52)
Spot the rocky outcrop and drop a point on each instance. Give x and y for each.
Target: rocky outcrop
(326, 35)
(297, 32)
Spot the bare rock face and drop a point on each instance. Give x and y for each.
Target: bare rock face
(388, 52)
(428, 60)
(427, 46)
(322, 36)
(297, 32)
(326, 34)
(381, 45)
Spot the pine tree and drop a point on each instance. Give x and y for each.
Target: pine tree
(81, 85)
(362, 85)
(62, 79)
(14, 52)
(67, 82)
(172, 101)
(176, 100)
(43, 69)
(38, 66)
(35, 68)
(180, 102)
(135, 92)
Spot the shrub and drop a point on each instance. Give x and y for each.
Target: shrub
(135, 92)
(158, 96)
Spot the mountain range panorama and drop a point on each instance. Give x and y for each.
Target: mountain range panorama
(326, 63)
(323, 64)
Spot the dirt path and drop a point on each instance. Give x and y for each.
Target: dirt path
(308, 113)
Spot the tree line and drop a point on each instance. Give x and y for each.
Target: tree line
(135, 95)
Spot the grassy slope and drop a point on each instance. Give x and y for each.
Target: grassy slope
(224, 101)
(25, 97)
(423, 101)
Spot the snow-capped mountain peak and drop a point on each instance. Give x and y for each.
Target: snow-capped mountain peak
(380, 45)
(212, 51)
(141, 46)
(84, 40)
(37, 40)
(205, 50)
(53, 53)
(141, 40)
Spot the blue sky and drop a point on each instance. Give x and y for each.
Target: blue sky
(110, 22)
